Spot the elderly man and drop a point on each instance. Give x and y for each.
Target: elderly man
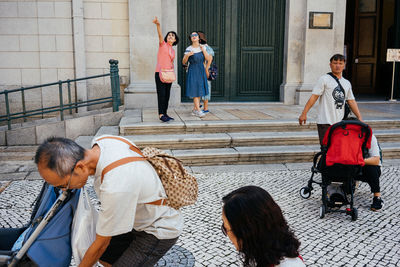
(134, 227)
(332, 90)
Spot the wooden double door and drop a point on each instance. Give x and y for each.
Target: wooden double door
(372, 26)
(248, 39)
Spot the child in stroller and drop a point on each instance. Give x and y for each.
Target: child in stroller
(340, 161)
(46, 240)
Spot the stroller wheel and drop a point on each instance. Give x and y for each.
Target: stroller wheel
(322, 211)
(354, 214)
(305, 192)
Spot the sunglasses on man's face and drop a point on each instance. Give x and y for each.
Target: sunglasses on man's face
(194, 35)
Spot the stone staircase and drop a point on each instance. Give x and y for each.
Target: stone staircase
(199, 143)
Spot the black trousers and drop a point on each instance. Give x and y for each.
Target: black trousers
(163, 93)
(136, 249)
(370, 175)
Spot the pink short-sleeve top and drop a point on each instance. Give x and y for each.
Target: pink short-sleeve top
(165, 57)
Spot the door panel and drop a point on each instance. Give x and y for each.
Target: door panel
(365, 56)
(207, 16)
(366, 43)
(259, 53)
(248, 45)
(365, 74)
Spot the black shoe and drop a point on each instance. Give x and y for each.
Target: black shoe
(170, 118)
(377, 204)
(164, 118)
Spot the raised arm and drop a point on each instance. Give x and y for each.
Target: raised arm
(160, 38)
(186, 57)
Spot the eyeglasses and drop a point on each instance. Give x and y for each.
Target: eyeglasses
(66, 187)
(194, 35)
(224, 230)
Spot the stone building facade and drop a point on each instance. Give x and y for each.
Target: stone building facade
(44, 41)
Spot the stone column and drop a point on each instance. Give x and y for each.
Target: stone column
(143, 42)
(308, 51)
(79, 51)
(295, 25)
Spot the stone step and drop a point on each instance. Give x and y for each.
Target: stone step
(17, 156)
(18, 148)
(262, 154)
(130, 126)
(220, 140)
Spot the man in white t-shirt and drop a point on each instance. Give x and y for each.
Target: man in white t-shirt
(331, 98)
(135, 227)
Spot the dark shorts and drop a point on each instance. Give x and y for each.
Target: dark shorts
(136, 249)
(322, 128)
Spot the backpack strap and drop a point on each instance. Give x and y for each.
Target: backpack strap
(118, 163)
(115, 164)
(131, 146)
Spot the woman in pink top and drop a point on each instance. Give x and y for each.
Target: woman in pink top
(165, 60)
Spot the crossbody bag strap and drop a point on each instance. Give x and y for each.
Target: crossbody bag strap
(340, 85)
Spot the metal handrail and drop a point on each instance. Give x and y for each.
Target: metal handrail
(114, 98)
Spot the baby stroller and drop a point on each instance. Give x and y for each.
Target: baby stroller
(46, 240)
(340, 161)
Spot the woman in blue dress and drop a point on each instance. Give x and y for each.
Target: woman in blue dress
(196, 79)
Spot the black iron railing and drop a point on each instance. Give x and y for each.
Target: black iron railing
(71, 105)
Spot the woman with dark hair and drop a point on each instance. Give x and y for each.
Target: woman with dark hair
(165, 60)
(196, 79)
(256, 226)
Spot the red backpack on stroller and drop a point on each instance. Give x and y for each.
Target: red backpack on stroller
(340, 161)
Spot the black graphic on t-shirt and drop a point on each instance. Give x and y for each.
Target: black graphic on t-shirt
(338, 95)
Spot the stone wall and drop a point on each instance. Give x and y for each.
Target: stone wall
(37, 46)
(106, 25)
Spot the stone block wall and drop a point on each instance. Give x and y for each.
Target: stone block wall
(106, 36)
(37, 47)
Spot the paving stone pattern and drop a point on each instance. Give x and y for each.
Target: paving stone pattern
(372, 240)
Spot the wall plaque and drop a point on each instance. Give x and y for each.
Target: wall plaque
(321, 20)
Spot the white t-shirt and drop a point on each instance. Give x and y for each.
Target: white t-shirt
(291, 262)
(331, 100)
(124, 192)
(374, 150)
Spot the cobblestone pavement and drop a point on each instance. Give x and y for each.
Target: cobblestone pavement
(372, 240)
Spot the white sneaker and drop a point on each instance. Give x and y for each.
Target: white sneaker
(198, 113)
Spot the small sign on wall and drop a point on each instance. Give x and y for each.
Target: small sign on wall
(393, 55)
(321, 20)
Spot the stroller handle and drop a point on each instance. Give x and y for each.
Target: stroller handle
(39, 228)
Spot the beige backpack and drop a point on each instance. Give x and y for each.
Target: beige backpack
(180, 186)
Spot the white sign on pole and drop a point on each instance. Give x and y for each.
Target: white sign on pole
(393, 55)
